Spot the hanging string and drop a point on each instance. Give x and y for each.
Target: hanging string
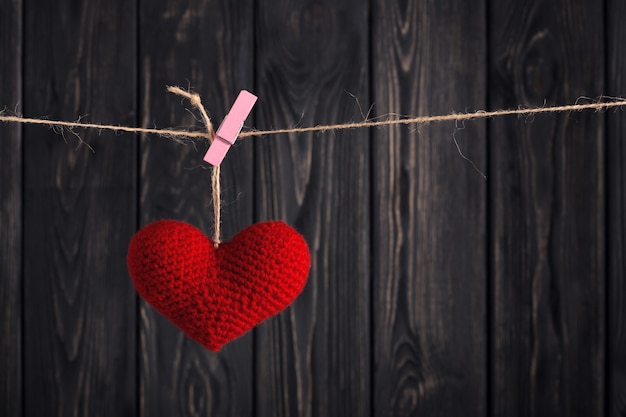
(217, 206)
(215, 176)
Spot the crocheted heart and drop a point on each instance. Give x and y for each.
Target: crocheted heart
(216, 295)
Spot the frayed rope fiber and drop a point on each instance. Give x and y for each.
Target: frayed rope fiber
(420, 120)
(210, 132)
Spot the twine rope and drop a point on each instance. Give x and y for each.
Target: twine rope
(195, 100)
(419, 120)
(216, 187)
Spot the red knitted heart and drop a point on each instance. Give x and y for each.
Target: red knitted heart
(216, 295)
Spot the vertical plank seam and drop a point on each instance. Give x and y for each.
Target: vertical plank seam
(489, 319)
(606, 377)
(372, 220)
(22, 310)
(254, 195)
(138, 117)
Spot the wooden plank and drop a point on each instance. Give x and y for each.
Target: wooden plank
(314, 358)
(79, 211)
(616, 221)
(547, 211)
(429, 211)
(207, 45)
(11, 213)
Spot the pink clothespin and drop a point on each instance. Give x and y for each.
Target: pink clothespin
(230, 128)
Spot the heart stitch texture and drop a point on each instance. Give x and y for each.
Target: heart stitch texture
(216, 295)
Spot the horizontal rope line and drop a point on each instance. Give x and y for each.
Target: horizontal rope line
(173, 133)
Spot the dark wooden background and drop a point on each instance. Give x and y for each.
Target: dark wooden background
(432, 292)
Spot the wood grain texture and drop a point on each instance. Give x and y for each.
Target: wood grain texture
(208, 45)
(429, 211)
(313, 359)
(79, 210)
(547, 211)
(11, 213)
(616, 221)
